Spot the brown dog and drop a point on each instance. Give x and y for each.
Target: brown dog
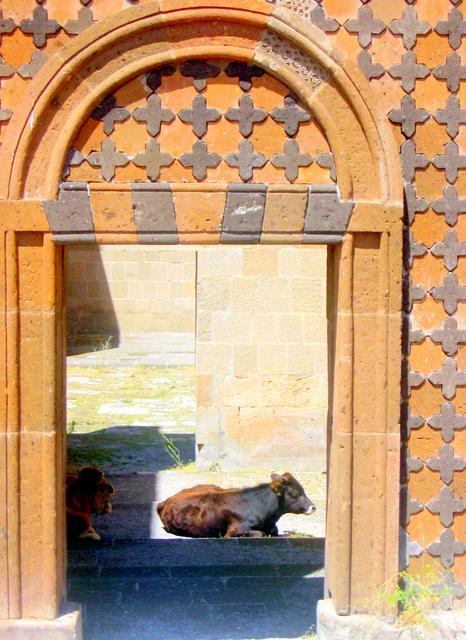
(86, 492)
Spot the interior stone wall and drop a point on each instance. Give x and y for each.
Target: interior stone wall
(118, 290)
(261, 357)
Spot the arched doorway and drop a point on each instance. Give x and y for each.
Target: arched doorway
(366, 264)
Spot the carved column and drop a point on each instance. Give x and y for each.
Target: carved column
(31, 430)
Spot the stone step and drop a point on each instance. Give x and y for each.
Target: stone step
(305, 555)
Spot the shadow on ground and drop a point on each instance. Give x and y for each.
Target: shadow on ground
(123, 449)
(198, 589)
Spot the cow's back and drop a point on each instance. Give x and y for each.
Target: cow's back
(195, 512)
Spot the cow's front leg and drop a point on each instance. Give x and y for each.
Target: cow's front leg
(242, 531)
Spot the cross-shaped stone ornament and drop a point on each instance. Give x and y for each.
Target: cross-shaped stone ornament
(200, 72)
(153, 78)
(29, 69)
(450, 249)
(290, 115)
(447, 589)
(450, 292)
(40, 27)
(409, 71)
(200, 160)
(365, 26)
(246, 160)
(446, 463)
(450, 205)
(415, 379)
(153, 114)
(371, 70)
(409, 27)
(408, 116)
(199, 116)
(450, 336)
(411, 160)
(452, 116)
(6, 70)
(5, 115)
(6, 25)
(85, 19)
(244, 72)
(447, 548)
(291, 160)
(454, 27)
(412, 422)
(108, 113)
(108, 159)
(451, 161)
(246, 115)
(74, 159)
(452, 71)
(414, 249)
(321, 21)
(448, 378)
(153, 160)
(447, 421)
(417, 293)
(446, 505)
(326, 161)
(413, 203)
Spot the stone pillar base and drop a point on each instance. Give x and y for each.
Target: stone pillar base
(66, 627)
(448, 625)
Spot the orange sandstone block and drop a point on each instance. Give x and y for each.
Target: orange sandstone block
(132, 94)
(433, 11)
(387, 11)
(90, 137)
(425, 442)
(428, 271)
(429, 227)
(223, 92)
(426, 357)
(16, 48)
(432, 49)
(387, 49)
(424, 527)
(199, 212)
(112, 210)
(342, 10)
(430, 93)
(430, 138)
(430, 183)
(424, 485)
(426, 400)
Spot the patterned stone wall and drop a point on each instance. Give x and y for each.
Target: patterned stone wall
(413, 54)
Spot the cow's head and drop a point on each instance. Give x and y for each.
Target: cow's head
(292, 494)
(93, 484)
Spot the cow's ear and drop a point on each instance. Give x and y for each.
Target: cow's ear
(277, 484)
(287, 478)
(109, 488)
(91, 474)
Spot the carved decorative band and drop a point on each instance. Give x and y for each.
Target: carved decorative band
(250, 213)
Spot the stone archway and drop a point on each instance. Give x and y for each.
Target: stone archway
(38, 215)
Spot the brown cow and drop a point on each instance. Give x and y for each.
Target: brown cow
(208, 511)
(86, 492)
